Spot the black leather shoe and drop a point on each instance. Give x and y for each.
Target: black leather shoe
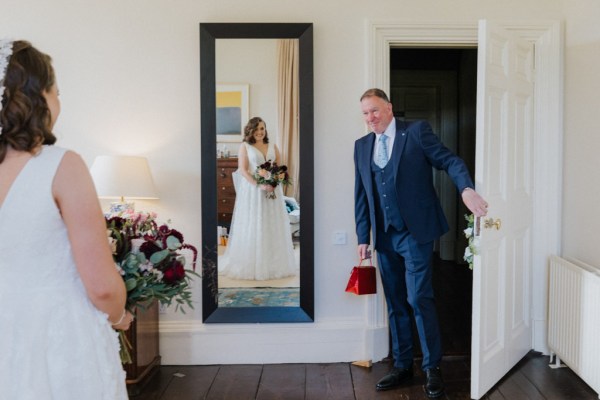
(394, 378)
(434, 385)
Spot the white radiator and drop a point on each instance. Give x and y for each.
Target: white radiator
(574, 317)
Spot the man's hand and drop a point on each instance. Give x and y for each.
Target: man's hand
(363, 251)
(474, 202)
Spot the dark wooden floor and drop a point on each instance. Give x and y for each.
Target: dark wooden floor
(532, 378)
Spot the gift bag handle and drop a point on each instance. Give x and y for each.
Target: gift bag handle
(363, 259)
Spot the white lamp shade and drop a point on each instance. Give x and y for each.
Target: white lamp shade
(118, 177)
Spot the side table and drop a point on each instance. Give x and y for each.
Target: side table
(143, 336)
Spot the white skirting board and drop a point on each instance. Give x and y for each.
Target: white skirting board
(195, 343)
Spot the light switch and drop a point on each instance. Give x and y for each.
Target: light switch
(339, 237)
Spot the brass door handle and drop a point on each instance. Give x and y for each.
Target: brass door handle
(489, 223)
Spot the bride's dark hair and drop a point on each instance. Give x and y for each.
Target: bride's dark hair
(251, 126)
(25, 116)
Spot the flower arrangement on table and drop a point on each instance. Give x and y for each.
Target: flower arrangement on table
(149, 258)
(472, 248)
(270, 173)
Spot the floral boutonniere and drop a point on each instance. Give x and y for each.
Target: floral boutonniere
(472, 248)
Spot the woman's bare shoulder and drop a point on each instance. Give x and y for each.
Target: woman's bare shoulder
(72, 173)
(71, 159)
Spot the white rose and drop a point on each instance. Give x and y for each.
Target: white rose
(468, 252)
(468, 232)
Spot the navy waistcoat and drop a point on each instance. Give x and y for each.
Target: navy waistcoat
(387, 211)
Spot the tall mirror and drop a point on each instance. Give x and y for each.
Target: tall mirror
(256, 70)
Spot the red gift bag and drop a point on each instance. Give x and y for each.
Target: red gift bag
(362, 279)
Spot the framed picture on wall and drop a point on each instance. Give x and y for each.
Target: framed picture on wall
(232, 111)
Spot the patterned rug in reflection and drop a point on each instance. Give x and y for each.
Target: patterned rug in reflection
(259, 297)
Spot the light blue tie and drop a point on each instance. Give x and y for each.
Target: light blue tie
(381, 159)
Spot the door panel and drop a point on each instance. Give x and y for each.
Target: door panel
(502, 270)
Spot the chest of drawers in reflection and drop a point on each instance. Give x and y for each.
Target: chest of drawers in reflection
(225, 189)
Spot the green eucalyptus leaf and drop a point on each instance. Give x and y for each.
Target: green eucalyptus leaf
(173, 243)
(141, 258)
(159, 256)
(130, 284)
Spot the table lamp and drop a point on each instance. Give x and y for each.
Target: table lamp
(120, 177)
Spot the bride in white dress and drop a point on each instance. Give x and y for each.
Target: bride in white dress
(260, 241)
(59, 288)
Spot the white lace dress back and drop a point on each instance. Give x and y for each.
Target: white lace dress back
(260, 241)
(54, 344)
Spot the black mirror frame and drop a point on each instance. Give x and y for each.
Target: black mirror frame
(211, 313)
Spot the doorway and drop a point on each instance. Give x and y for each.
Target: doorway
(439, 85)
(546, 37)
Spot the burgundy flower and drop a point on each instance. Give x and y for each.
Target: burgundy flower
(175, 273)
(149, 248)
(163, 230)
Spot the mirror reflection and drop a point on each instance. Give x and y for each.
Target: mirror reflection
(257, 150)
(250, 81)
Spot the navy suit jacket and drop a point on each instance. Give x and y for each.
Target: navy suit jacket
(416, 150)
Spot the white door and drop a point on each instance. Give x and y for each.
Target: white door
(504, 172)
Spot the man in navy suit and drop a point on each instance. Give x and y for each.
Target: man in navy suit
(396, 202)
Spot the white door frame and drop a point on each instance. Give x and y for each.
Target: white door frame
(547, 37)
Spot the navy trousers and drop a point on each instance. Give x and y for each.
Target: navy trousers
(406, 274)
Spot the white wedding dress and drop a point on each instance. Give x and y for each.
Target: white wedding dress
(260, 241)
(54, 344)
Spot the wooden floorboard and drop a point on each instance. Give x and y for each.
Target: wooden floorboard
(235, 382)
(282, 382)
(329, 381)
(555, 384)
(191, 381)
(518, 388)
(158, 384)
(530, 379)
(495, 395)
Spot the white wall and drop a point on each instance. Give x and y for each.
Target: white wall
(128, 73)
(581, 196)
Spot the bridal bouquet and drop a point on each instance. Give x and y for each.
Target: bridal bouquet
(269, 173)
(149, 258)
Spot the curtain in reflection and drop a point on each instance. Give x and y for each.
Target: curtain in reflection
(288, 112)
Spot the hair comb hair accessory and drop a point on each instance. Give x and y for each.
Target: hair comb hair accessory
(6, 49)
